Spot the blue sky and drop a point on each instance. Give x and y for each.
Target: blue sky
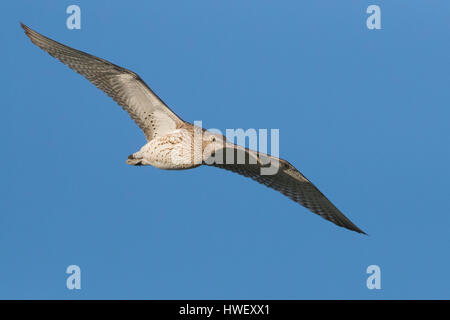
(362, 113)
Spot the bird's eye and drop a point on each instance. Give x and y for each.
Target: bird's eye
(213, 139)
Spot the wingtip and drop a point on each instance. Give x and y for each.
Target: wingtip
(25, 28)
(360, 231)
(352, 227)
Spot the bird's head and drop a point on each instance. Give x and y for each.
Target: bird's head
(212, 144)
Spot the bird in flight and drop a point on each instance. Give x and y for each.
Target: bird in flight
(175, 144)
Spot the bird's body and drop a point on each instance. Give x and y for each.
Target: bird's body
(172, 151)
(174, 144)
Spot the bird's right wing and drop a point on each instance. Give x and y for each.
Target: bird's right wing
(285, 178)
(149, 112)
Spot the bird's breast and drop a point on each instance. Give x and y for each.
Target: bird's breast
(170, 152)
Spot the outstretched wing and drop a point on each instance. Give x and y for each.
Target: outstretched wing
(283, 177)
(149, 112)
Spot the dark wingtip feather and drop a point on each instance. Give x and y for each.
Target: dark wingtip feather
(26, 29)
(356, 229)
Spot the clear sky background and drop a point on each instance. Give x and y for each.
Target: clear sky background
(362, 113)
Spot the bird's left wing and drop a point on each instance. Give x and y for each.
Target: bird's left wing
(285, 178)
(149, 112)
